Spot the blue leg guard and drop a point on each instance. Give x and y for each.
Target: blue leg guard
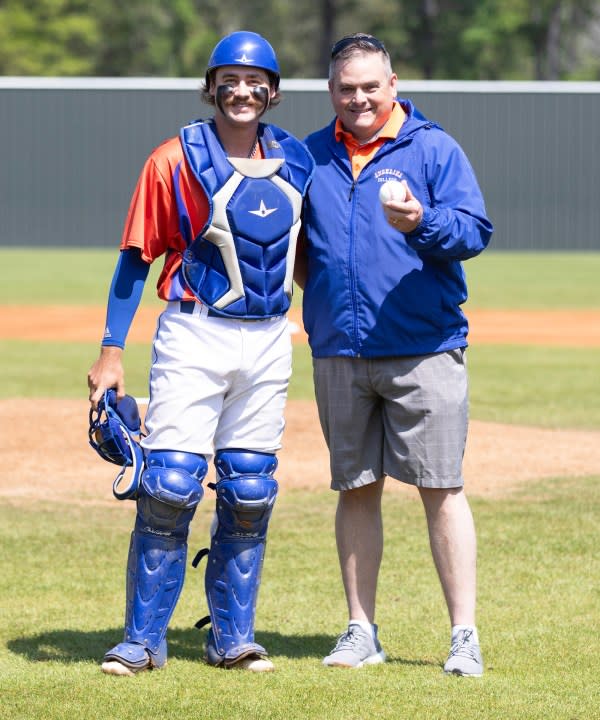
(169, 491)
(246, 492)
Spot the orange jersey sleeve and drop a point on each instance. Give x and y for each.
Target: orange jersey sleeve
(152, 223)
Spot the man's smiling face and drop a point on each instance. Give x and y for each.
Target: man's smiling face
(362, 94)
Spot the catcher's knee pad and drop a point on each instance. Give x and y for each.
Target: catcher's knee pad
(170, 489)
(246, 493)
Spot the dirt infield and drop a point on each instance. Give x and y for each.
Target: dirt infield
(572, 328)
(60, 465)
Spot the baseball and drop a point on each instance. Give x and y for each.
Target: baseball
(392, 190)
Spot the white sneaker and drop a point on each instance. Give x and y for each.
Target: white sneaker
(465, 656)
(354, 648)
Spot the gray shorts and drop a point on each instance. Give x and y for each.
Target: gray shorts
(405, 417)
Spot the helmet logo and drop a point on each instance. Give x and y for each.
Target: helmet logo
(243, 59)
(262, 211)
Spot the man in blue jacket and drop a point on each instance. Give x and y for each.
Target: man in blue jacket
(383, 288)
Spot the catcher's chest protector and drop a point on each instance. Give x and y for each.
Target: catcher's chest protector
(241, 264)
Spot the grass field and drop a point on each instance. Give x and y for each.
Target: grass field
(496, 279)
(515, 384)
(538, 617)
(62, 568)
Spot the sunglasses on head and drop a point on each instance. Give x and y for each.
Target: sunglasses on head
(359, 40)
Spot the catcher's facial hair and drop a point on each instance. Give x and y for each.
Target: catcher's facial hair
(260, 94)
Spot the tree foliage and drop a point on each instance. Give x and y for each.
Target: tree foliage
(432, 39)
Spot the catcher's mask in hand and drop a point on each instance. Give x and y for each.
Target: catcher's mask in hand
(114, 433)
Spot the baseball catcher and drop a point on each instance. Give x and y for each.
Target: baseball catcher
(221, 204)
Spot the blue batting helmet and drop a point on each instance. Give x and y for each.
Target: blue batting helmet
(247, 49)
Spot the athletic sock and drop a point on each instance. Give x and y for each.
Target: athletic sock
(365, 625)
(458, 628)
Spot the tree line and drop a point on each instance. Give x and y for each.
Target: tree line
(427, 39)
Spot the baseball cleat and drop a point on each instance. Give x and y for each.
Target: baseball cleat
(253, 664)
(113, 667)
(127, 659)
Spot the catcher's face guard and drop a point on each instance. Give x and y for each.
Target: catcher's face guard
(114, 433)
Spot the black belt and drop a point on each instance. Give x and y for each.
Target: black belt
(187, 307)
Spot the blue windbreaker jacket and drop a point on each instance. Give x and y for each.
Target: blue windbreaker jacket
(371, 290)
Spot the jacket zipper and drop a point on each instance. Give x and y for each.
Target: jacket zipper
(351, 265)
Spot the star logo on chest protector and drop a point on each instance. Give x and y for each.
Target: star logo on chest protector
(262, 211)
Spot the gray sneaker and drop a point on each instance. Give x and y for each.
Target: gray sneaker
(465, 656)
(355, 648)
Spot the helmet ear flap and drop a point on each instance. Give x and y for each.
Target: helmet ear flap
(128, 411)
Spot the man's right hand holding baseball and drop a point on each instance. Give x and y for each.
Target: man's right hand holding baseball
(404, 216)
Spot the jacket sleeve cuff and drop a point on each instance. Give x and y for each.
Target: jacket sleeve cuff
(426, 219)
